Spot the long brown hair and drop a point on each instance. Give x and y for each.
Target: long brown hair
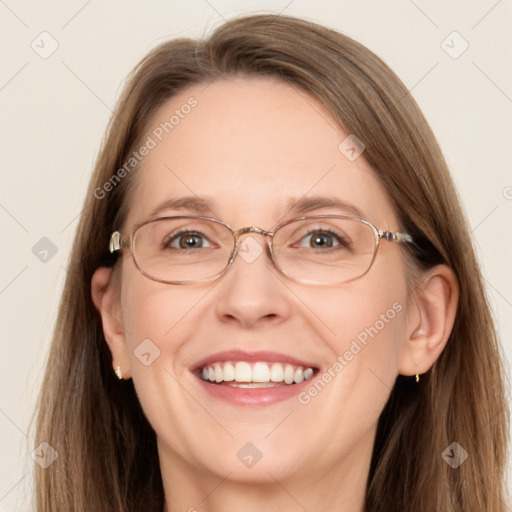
(108, 459)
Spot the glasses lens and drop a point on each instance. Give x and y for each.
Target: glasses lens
(182, 248)
(325, 250)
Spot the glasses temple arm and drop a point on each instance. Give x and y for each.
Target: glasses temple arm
(118, 241)
(395, 237)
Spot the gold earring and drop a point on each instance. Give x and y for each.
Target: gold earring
(417, 378)
(118, 372)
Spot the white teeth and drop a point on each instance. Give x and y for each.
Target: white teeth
(276, 372)
(260, 374)
(219, 377)
(251, 385)
(243, 372)
(289, 370)
(229, 372)
(298, 376)
(308, 373)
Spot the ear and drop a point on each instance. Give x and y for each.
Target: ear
(431, 315)
(108, 304)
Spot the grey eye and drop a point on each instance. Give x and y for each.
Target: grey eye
(186, 240)
(321, 239)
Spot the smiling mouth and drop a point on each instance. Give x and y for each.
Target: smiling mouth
(243, 374)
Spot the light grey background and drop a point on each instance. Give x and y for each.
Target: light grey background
(54, 111)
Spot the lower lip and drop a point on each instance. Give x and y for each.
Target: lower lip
(254, 396)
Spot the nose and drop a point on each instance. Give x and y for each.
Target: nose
(252, 293)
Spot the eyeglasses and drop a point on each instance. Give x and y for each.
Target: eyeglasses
(322, 249)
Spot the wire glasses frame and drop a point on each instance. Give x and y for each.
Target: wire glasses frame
(120, 241)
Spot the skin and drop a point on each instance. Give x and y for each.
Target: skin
(250, 145)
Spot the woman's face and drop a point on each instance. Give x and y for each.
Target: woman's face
(253, 147)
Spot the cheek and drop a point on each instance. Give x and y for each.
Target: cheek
(156, 311)
(159, 320)
(364, 326)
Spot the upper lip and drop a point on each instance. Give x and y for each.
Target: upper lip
(242, 355)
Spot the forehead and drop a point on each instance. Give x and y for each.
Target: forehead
(251, 147)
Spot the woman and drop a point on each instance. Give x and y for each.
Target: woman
(273, 301)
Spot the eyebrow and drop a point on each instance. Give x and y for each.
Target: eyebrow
(201, 206)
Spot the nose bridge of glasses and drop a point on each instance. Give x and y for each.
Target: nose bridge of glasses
(251, 229)
(268, 235)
